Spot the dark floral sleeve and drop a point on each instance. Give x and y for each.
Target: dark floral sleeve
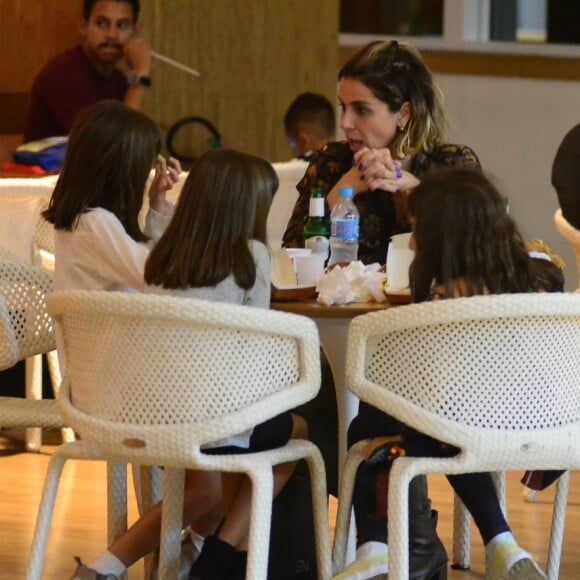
(459, 156)
(328, 167)
(378, 215)
(446, 155)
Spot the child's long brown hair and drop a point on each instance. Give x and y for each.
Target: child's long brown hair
(464, 233)
(223, 204)
(110, 152)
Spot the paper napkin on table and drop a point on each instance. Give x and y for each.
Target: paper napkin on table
(353, 283)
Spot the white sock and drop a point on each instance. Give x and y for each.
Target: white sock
(503, 537)
(371, 549)
(108, 563)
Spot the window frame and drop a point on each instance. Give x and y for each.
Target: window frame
(466, 29)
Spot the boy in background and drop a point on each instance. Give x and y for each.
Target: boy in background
(309, 124)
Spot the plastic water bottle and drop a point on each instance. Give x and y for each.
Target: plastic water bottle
(344, 226)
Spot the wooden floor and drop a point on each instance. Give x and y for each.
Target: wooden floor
(79, 522)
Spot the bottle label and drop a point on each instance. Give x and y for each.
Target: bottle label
(316, 208)
(345, 229)
(318, 245)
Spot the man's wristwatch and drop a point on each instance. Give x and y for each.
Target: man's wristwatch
(134, 80)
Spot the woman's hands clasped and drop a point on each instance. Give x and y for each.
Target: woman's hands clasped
(378, 170)
(165, 177)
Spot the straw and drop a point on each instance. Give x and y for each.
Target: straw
(176, 64)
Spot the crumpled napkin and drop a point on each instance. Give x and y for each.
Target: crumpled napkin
(353, 283)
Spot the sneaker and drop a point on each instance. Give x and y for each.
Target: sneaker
(507, 561)
(85, 573)
(525, 569)
(366, 565)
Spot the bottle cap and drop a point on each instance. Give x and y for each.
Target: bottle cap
(345, 192)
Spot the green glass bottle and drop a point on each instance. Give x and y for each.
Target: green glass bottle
(316, 230)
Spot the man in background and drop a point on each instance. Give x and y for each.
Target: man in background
(88, 73)
(309, 124)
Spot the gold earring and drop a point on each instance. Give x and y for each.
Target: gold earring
(404, 141)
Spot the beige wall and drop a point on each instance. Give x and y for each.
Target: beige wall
(515, 126)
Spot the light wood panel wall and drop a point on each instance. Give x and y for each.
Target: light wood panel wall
(254, 56)
(30, 34)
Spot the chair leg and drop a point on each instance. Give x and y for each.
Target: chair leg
(147, 482)
(557, 532)
(262, 497)
(461, 536)
(68, 435)
(353, 460)
(462, 524)
(171, 522)
(320, 508)
(116, 500)
(398, 500)
(44, 517)
(33, 389)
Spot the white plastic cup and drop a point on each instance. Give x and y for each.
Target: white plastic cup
(399, 258)
(294, 253)
(308, 268)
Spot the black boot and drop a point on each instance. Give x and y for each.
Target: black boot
(214, 561)
(239, 566)
(427, 555)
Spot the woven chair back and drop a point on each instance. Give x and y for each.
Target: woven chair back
(499, 371)
(26, 328)
(19, 214)
(210, 370)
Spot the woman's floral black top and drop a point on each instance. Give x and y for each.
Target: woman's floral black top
(378, 217)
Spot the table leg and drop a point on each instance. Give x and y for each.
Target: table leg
(333, 333)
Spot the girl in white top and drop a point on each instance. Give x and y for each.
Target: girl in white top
(212, 248)
(99, 244)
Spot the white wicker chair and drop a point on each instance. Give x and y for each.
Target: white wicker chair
(19, 213)
(44, 242)
(27, 331)
(496, 376)
(150, 379)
